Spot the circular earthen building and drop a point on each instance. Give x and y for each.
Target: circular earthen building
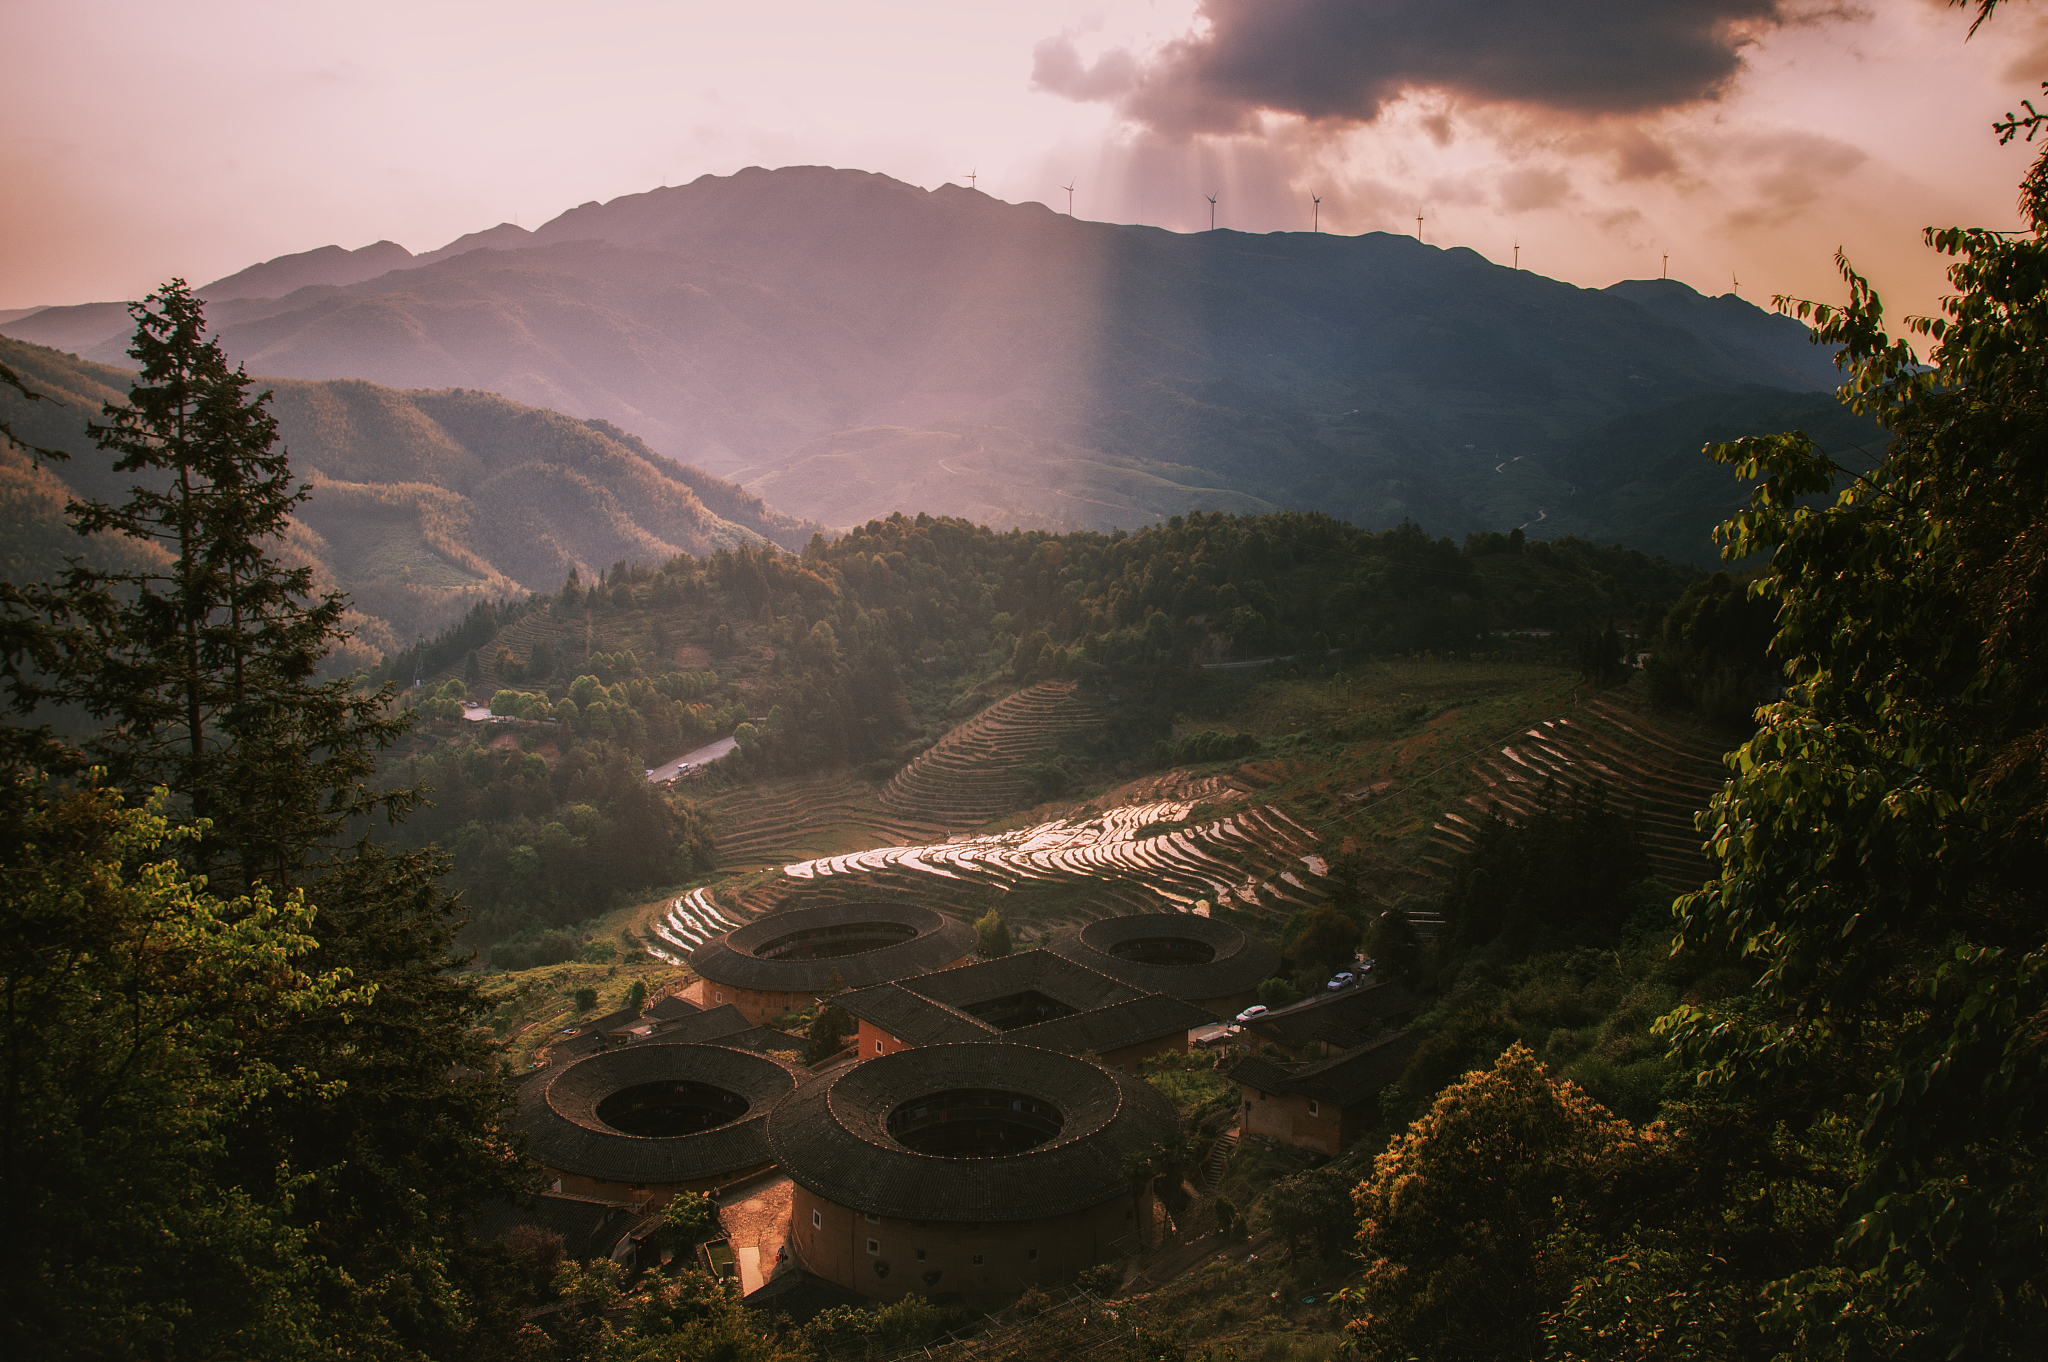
(978, 1168)
(647, 1121)
(781, 962)
(1183, 955)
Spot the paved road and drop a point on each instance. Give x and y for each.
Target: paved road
(709, 753)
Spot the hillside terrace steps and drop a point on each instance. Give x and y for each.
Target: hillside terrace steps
(759, 827)
(972, 774)
(520, 636)
(1271, 865)
(1664, 774)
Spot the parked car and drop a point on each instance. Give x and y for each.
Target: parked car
(1252, 1013)
(1340, 981)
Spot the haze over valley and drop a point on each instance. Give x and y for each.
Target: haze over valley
(845, 345)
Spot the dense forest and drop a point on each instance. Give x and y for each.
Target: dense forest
(862, 651)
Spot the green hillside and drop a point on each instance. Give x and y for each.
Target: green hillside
(424, 503)
(867, 667)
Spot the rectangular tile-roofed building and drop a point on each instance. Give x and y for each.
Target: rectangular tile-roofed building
(893, 1018)
(1021, 989)
(1325, 1105)
(1122, 1035)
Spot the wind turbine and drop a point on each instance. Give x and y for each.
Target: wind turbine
(1418, 224)
(1736, 282)
(1667, 266)
(1212, 210)
(1316, 220)
(971, 176)
(1518, 252)
(1070, 198)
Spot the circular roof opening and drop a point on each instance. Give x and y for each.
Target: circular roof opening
(834, 941)
(661, 1111)
(1164, 950)
(974, 1123)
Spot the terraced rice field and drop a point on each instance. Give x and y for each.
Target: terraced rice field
(1254, 858)
(761, 826)
(1665, 770)
(690, 921)
(974, 773)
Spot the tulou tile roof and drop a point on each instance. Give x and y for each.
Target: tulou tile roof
(1114, 1027)
(557, 1108)
(1239, 963)
(831, 1135)
(912, 1019)
(1075, 986)
(732, 959)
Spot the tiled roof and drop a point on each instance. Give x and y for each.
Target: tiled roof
(589, 1228)
(1355, 1009)
(1345, 1080)
(672, 1008)
(912, 1019)
(1240, 962)
(1114, 1027)
(831, 1135)
(801, 1296)
(714, 1023)
(730, 959)
(1262, 1074)
(1077, 986)
(557, 1108)
(1360, 1074)
(590, 1035)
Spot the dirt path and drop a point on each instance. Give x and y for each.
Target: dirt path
(756, 1224)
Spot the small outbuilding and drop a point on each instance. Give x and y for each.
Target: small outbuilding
(1326, 1105)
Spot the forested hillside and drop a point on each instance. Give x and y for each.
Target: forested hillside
(863, 652)
(423, 503)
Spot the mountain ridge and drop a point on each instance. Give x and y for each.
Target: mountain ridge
(763, 325)
(423, 502)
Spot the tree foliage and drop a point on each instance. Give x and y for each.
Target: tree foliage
(1880, 847)
(1455, 1220)
(201, 673)
(992, 935)
(353, 1127)
(130, 993)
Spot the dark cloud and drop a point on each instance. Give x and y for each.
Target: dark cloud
(1342, 60)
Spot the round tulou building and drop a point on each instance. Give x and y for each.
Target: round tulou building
(977, 1168)
(1183, 955)
(781, 962)
(647, 1121)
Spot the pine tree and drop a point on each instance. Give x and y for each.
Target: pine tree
(205, 674)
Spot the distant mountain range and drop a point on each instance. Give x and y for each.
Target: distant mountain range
(422, 502)
(846, 345)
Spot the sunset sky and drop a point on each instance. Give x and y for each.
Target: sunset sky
(1745, 138)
